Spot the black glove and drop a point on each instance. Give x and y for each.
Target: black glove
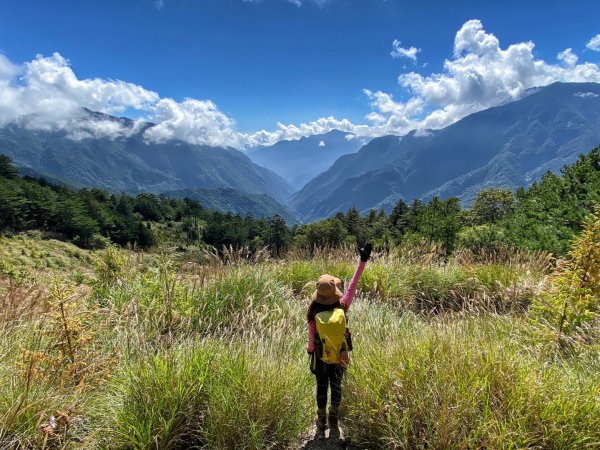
(365, 252)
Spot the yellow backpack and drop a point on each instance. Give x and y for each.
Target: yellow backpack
(331, 331)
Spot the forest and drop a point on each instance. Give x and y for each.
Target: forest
(544, 216)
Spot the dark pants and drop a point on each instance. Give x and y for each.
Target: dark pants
(329, 375)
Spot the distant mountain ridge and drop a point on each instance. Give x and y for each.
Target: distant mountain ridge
(507, 146)
(299, 161)
(133, 165)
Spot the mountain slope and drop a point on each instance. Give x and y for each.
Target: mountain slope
(133, 165)
(301, 160)
(230, 200)
(507, 146)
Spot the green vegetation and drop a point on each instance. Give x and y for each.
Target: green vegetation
(235, 202)
(552, 211)
(149, 352)
(544, 217)
(92, 218)
(468, 333)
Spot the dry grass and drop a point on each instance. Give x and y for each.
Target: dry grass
(151, 353)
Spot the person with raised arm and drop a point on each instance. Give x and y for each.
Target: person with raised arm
(329, 340)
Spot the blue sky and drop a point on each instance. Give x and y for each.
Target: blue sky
(249, 65)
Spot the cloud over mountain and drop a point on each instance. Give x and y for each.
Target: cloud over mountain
(45, 93)
(481, 74)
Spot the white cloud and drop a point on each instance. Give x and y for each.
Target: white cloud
(193, 121)
(423, 133)
(481, 74)
(321, 144)
(159, 4)
(585, 94)
(45, 93)
(568, 57)
(594, 43)
(8, 70)
(293, 132)
(400, 52)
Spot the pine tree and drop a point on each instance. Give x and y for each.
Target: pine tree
(7, 170)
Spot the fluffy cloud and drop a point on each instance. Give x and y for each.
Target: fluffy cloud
(321, 143)
(400, 52)
(45, 93)
(194, 121)
(292, 132)
(481, 74)
(8, 70)
(568, 57)
(594, 43)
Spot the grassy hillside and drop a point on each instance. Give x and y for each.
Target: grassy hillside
(143, 352)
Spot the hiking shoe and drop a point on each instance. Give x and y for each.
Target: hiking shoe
(321, 422)
(332, 419)
(320, 434)
(335, 433)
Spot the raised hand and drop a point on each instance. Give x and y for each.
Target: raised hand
(365, 251)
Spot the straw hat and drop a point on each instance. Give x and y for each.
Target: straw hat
(327, 292)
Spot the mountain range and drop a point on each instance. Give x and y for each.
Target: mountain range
(132, 164)
(299, 161)
(219, 178)
(506, 146)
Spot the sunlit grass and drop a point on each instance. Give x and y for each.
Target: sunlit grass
(465, 383)
(145, 353)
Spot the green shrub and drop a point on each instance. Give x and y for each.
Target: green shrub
(258, 397)
(157, 401)
(572, 303)
(489, 237)
(214, 394)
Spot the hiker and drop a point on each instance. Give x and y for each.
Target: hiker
(329, 340)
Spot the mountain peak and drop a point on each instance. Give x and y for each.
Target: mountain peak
(509, 145)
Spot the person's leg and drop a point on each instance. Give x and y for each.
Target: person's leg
(336, 374)
(322, 386)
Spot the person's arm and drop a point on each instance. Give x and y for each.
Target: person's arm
(348, 296)
(311, 336)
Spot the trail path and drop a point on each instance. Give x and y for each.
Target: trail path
(310, 442)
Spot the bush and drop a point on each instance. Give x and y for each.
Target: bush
(573, 301)
(486, 237)
(258, 396)
(212, 394)
(158, 401)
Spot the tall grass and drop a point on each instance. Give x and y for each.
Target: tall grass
(148, 353)
(156, 401)
(212, 394)
(468, 383)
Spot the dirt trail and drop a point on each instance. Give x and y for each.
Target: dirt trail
(331, 442)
